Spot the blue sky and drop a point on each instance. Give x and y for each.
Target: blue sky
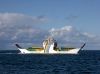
(83, 15)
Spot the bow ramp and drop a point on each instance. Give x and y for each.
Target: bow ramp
(21, 49)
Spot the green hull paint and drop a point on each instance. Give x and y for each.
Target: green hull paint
(35, 49)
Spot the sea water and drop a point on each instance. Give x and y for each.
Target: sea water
(86, 62)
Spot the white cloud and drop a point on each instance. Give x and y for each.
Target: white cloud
(14, 26)
(20, 19)
(66, 33)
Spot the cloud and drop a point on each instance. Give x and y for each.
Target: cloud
(20, 28)
(71, 17)
(17, 19)
(13, 24)
(66, 34)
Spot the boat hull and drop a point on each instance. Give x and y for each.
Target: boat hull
(73, 51)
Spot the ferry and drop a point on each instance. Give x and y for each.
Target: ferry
(49, 47)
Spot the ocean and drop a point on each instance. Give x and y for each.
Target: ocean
(86, 62)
